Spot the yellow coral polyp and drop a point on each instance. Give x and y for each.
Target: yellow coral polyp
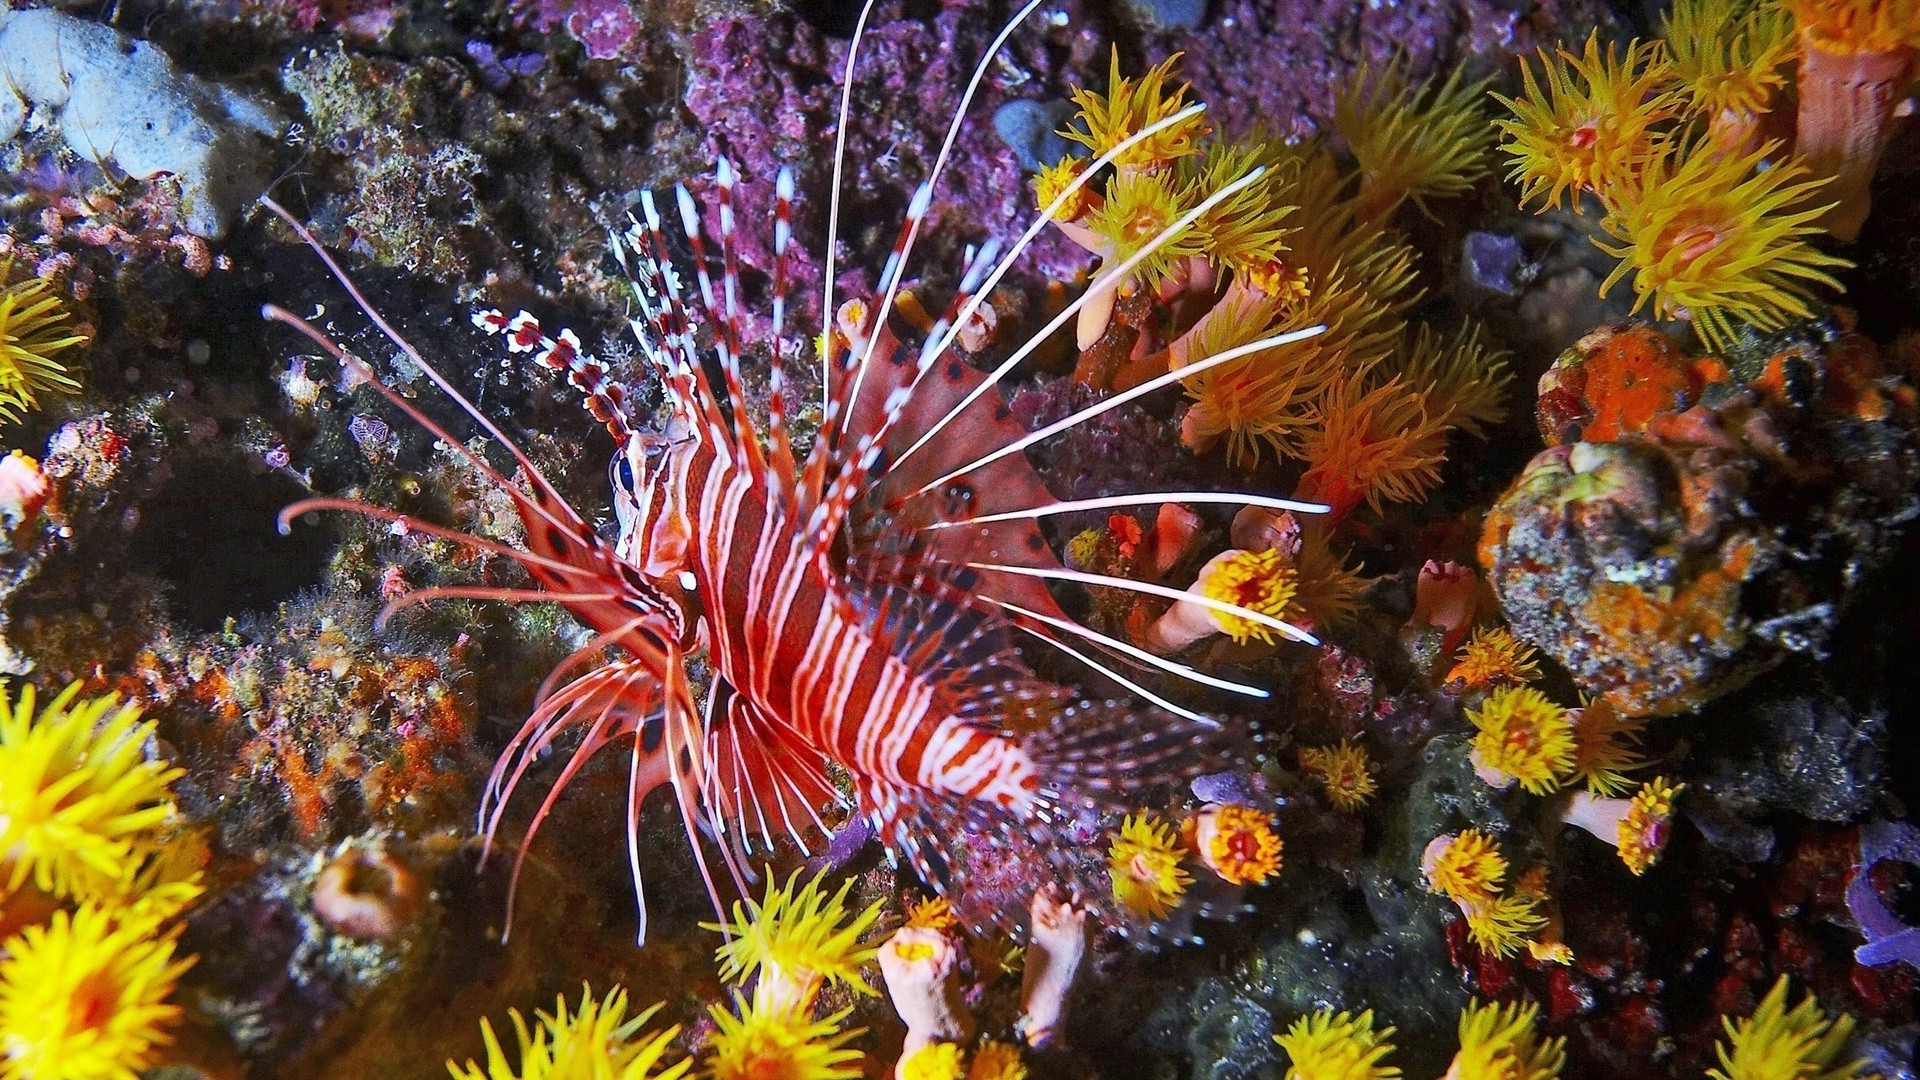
(1055, 180)
(1524, 735)
(1260, 581)
(1729, 56)
(1606, 747)
(33, 331)
(795, 941)
(1129, 107)
(1644, 830)
(1858, 26)
(933, 1061)
(1502, 1042)
(1493, 657)
(1502, 926)
(80, 799)
(1462, 377)
(1329, 590)
(1137, 209)
(1412, 142)
(84, 997)
(935, 914)
(596, 1040)
(1236, 842)
(1467, 867)
(772, 1044)
(1777, 1043)
(1595, 124)
(1344, 771)
(1266, 397)
(1722, 238)
(1144, 863)
(1247, 230)
(1326, 1045)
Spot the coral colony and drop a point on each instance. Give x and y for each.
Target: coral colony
(1106, 538)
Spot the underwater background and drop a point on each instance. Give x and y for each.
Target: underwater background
(1542, 544)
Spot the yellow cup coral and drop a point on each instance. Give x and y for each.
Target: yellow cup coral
(1503, 1042)
(33, 331)
(84, 997)
(1144, 863)
(1595, 124)
(1236, 842)
(1493, 657)
(81, 800)
(1337, 1046)
(1720, 237)
(766, 1044)
(1777, 1042)
(596, 1040)
(796, 941)
(1345, 772)
(1523, 736)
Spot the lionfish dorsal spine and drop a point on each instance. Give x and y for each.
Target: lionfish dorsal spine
(1026, 240)
(783, 462)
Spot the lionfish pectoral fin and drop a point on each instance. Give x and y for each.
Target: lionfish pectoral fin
(986, 860)
(1103, 754)
(762, 778)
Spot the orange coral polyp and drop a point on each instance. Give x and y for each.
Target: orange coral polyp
(1375, 443)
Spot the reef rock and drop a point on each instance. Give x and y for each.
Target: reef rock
(118, 100)
(1684, 549)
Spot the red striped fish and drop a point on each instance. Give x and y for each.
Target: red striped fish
(858, 607)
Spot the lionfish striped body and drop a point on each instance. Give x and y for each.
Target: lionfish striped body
(856, 608)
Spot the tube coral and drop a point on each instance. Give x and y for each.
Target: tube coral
(1133, 105)
(596, 1040)
(1467, 867)
(33, 331)
(1637, 827)
(1378, 443)
(1523, 736)
(1606, 747)
(1462, 377)
(1491, 658)
(769, 1044)
(1411, 142)
(1720, 237)
(1857, 59)
(1144, 863)
(85, 997)
(1501, 1042)
(80, 799)
(1344, 771)
(1595, 124)
(997, 1061)
(796, 941)
(1777, 1043)
(1236, 842)
(1729, 57)
(1326, 1045)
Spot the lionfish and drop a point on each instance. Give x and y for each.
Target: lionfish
(857, 606)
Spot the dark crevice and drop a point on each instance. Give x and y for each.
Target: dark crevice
(211, 534)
